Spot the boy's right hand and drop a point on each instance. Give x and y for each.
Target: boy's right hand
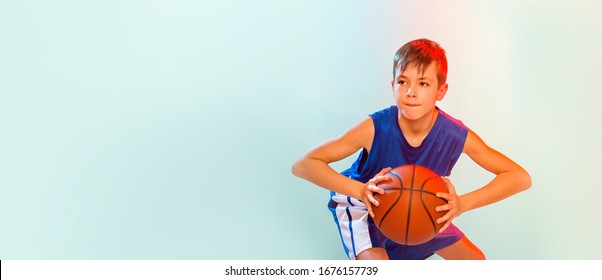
(366, 193)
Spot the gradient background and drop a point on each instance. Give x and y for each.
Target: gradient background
(167, 129)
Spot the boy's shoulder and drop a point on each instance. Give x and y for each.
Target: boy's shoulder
(385, 112)
(447, 117)
(450, 124)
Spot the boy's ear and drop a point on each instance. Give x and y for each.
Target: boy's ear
(442, 92)
(393, 87)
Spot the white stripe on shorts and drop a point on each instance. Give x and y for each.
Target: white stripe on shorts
(352, 217)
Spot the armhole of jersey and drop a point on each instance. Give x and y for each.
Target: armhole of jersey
(463, 135)
(373, 136)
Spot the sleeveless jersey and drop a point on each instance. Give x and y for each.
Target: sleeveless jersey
(439, 151)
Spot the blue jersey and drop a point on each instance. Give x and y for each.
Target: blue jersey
(439, 151)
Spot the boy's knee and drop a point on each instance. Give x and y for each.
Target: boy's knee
(479, 255)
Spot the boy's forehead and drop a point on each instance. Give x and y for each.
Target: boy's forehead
(413, 69)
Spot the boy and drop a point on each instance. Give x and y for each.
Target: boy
(414, 131)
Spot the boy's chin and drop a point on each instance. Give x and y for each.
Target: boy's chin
(413, 114)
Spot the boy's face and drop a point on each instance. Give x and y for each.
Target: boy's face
(416, 93)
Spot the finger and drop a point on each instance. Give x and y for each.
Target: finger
(373, 184)
(379, 179)
(443, 195)
(375, 189)
(444, 227)
(442, 208)
(445, 217)
(369, 208)
(384, 171)
(372, 200)
(450, 187)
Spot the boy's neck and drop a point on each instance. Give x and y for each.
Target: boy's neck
(415, 131)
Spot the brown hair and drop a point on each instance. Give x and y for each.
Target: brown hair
(421, 52)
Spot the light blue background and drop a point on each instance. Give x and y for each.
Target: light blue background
(167, 129)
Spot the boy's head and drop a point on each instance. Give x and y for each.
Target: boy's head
(421, 53)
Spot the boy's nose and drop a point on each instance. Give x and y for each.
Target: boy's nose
(410, 93)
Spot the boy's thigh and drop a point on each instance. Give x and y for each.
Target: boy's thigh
(357, 229)
(422, 251)
(464, 249)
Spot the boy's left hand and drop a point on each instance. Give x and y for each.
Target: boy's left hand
(454, 206)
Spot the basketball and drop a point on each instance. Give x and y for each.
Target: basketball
(406, 211)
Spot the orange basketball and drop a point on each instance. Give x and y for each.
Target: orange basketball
(406, 212)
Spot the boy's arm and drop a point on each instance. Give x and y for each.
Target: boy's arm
(510, 179)
(314, 165)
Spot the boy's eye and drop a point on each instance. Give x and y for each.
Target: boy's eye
(423, 84)
(402, 82)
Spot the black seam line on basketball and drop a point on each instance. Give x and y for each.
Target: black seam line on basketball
(410, 204)
(424, 204)
(410, 189)
(397, 199)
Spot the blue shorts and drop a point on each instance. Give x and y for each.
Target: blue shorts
(359, 232)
